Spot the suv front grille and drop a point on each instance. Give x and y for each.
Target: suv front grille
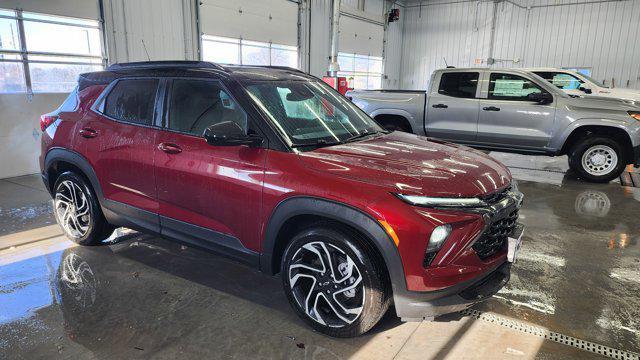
(495, 237)
(496, 196)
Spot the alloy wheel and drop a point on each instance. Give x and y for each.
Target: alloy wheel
(327, 284)
(72, 209)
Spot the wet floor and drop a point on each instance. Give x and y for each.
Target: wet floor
(144, 297)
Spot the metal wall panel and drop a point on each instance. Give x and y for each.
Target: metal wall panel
(160, 26)
(393, 53)
(599, 35)
(85, 9)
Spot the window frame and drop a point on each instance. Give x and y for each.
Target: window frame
(240, 42)
(166, 109)
(489, 84)
(23, 53)
(158, 106)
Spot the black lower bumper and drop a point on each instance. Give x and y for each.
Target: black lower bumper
(636, 155)
(417, 306)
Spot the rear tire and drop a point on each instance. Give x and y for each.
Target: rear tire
(77, 211)
(597, 159)
(333, 280)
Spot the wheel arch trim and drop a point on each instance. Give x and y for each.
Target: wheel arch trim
(60, 154)
(346, 214)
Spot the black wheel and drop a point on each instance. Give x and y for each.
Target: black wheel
(333, 280)
(393, 126)
(78, 212)
(597, 159)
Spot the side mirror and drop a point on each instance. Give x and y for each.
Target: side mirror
(585, 90)
(540, 98)
(228, 133)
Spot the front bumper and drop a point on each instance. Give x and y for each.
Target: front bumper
(416, 306)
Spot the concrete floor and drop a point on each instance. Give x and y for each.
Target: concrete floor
(145, 297)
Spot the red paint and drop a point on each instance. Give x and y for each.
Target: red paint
(235, 189)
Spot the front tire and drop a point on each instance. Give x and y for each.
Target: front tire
(597, 159)
(334, 281)
(78, 212)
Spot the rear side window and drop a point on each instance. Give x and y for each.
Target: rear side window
(197, 104)
(132, 101)
(460, 85)
(511, 87)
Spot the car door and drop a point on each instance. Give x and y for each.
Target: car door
(209, 195)
(509, 119)
(118, 137)
(452, 109)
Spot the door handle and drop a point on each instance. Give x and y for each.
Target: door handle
(170, 148)
(440, 106)
(88, 133)
(491, 108)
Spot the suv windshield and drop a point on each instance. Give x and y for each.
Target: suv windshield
(310, 114)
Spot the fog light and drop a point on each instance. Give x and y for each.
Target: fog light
(438, 236)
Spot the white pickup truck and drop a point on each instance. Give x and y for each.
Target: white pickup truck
(517, 111)
(575, 83)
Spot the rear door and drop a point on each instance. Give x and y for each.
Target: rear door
(452, 109)
(209, 195)
(509, 119)
(118, 138)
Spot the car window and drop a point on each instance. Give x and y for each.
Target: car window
(511, 87)
(132, 101)
(561, 80)
(461, 85)
(197, 104)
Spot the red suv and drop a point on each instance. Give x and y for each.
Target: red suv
(272, 167)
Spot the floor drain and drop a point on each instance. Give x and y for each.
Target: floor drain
(553, 336)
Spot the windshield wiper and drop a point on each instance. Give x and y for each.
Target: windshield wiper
(317, 144)
(361, 135)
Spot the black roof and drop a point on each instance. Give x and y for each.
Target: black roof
(189, 69)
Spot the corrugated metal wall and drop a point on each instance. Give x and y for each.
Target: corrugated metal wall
(393, 53)
(558, 33)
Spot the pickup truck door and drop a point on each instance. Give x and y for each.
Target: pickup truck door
(452, 108)
(509, 119)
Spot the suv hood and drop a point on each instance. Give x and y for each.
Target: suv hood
(411, 164)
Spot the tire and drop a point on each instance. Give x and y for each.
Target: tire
(393, 126)
(77, 211)
(597, 159)
(356, 283)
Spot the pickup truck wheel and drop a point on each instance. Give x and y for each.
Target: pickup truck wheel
(77, 211)
(333, 281)
(597, 159)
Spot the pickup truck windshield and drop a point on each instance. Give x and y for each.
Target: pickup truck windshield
(310, 114)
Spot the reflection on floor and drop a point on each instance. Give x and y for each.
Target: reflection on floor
(141, 296)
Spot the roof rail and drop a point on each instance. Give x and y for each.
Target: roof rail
(270, 67)
(164, 64)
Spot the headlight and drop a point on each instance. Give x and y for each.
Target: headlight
(634, 114)
(441, 201)
(438, 236)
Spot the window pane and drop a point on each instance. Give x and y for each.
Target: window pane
(374, 82)
(132, 101)
(62, 19)
(359, 82)
(67, 39)
(361, 64)
(220, 52)
(56, 78)
(281, 57)
(462, 84)
(255, 55)
(9, 39)
(198, 104)
(11, 77)
(346, 62)
(375, 65)
(511, 87)
(561, 80)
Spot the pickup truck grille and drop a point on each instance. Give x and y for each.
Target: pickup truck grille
(495, 237)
